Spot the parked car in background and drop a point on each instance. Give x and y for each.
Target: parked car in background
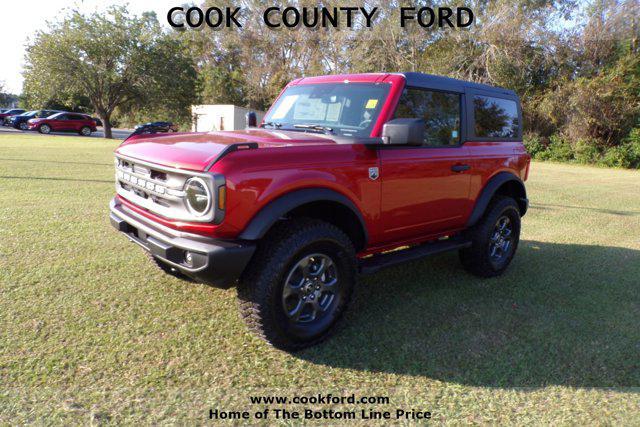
(64, 122)
(97, 120)
(20, 121)
(11, 112)
(155, 127)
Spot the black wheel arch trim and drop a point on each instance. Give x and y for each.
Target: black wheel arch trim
(490, 190)
(276, 209)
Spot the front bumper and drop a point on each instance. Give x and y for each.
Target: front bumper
(216, 262)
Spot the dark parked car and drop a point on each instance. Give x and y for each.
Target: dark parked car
(155, 127)
(20, 121)
(64, 122)
(97, 120)
(11, 112)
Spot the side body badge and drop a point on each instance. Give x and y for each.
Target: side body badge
(374, 173)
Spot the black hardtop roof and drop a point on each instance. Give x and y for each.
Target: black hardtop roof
(447, 83)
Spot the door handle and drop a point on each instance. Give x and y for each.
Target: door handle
(460, 168)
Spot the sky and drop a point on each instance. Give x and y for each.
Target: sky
(17, 26)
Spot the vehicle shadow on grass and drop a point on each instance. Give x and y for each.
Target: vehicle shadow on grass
(563, 314)
(541, 206)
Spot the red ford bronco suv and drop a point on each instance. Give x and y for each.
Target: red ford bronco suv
(346, 175)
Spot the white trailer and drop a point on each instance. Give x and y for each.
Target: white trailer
(208, 118)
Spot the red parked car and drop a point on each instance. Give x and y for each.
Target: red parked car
(64, 122)
(347, 174)
(5, 113)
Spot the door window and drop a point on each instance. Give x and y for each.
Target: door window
(440, 111)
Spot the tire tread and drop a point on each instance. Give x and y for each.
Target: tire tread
(259, 281)
(475, 259)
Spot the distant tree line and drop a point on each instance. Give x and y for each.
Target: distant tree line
(7, 99)
(575, 65)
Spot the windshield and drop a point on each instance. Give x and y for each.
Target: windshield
(347, 109)
(44, 113)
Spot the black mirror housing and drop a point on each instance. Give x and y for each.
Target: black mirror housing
(251, 120)
(403, 132)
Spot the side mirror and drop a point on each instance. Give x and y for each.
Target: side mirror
(251, 120)
(403, 132)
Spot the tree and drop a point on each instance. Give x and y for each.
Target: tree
(3, 95)
(116, 60)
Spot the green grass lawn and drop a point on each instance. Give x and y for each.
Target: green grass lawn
(91, 332)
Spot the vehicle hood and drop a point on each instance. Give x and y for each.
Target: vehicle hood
(198, 151)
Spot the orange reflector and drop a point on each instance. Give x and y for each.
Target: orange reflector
(222, 197)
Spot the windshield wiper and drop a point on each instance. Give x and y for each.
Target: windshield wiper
(325, 129)
(274, 125)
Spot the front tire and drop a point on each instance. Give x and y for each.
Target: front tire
(44, 129)
(298, 284)
(23, 126)
(494, 239)
(85, 131)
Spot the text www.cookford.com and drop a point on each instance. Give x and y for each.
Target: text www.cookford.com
(320, 399)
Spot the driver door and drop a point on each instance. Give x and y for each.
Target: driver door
(425, 189)
(59, 123)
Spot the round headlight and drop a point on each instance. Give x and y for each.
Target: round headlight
(198, 196)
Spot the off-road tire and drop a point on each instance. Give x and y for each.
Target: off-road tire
(261, 285)
(476, 259)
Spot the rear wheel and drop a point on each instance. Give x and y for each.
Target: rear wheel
(44, 129)
(299, 284)
(494, 239)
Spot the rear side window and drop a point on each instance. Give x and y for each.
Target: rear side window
(440, 111)
(75, 117)
(495, 117)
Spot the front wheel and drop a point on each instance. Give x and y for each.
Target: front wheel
(298, 284)
(85, 131)
(45, 129)
(23, 126)
(494, 239)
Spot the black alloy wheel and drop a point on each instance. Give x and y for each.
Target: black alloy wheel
(501, 241)
(310, 289)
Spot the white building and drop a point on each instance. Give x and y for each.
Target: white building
(207, 118)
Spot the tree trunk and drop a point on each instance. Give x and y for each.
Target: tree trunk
(106, 125)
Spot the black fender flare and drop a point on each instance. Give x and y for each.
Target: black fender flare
(490, 190)
(276, 209)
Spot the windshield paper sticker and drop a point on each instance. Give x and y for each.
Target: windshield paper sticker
(284, 107)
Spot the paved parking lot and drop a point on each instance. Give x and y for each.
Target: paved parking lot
(117, 133)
